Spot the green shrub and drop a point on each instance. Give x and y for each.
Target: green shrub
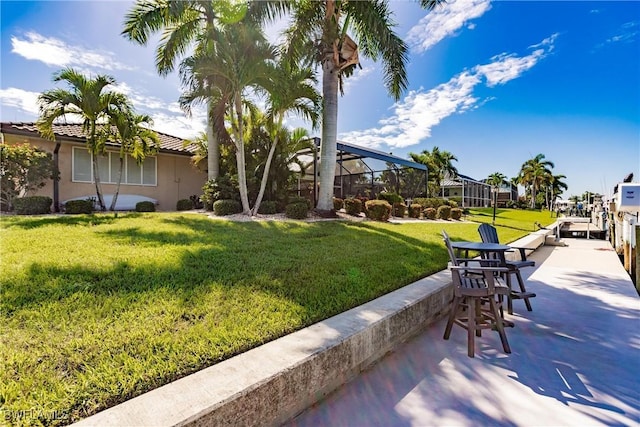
(79, 206)
(337, 203)
(430, 202)
(226, 207)
(299, 199)
(32, 205)
(268, 207)
(184, 205)
(452, 203)
(456, 213)
(353, 206)
(444, 212)
(414, 210)
(145, 206)
(457, 200)
(222, 188)
(399, 209)
(392, 198)
(378, 210)
(430, 213)
(297, 210)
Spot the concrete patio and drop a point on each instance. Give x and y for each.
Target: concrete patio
(575, 360)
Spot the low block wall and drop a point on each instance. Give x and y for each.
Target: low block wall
(532, 241)
(274, 382)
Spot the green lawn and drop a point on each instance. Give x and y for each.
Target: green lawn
(97, 309)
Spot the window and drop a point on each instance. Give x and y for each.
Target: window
(109, 167)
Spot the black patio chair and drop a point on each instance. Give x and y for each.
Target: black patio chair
(488, 234)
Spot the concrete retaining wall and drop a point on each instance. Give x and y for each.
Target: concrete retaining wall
(274, 382)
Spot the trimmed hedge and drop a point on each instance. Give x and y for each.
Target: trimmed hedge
(268, 207)
(145, 206)
(353, 206)
(430, 213)
(338, 203)
(297, 210)
(444, 212)
(456, 213)
(415, 210)
(390, 197)
(78, 207)
(32, 205)
(184, 205)
(226, 207)
(378, 210)
(399, 209)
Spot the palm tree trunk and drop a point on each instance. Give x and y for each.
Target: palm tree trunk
(240, 159)
(213, 147)
(265, 175)
(115, 196)
(328, 148)
(94, 156)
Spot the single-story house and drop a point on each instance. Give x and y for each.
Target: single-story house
(165, 177)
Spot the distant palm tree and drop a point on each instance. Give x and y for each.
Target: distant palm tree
(496, 180)
(136, 140)
(439, 164)
(534, 174)
(556, 188)
(87, 100)
(318, 34)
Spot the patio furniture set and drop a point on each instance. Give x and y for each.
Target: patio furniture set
(481, 285)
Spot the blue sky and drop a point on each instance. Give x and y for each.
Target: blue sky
(494, 83)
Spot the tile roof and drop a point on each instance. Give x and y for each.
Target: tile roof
(73, 131)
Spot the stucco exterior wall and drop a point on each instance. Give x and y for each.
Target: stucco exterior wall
(177, 178)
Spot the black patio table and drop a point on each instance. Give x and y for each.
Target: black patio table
(483, 248)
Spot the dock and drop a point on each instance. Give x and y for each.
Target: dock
(575, 359)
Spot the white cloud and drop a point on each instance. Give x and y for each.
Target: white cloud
(55, 52)
(420, 111)
(20, 99)
(444, 21)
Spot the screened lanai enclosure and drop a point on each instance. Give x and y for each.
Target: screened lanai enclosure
(363, 172)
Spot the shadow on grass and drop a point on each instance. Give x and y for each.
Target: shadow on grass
(325, 267)
(28, 223)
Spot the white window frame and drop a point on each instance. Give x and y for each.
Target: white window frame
(111, 157)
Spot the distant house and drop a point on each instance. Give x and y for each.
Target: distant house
(165, 177)
(507, 192)
(469, 193)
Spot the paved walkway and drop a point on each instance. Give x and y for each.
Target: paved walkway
(575, 360)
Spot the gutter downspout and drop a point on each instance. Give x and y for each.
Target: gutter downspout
(56, 180)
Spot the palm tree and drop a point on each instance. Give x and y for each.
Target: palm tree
(88, 101)
(496, 179)
(290, 89)
(439, 163)
(239, 60)
(534, 173)
(318, 34)
(136, 140)
(183, 24)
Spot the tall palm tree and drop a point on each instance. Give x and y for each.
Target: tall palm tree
(318, 34)
(136, 140)
(87, 100)
(239, 60)
(187, 24)
(534, 173)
